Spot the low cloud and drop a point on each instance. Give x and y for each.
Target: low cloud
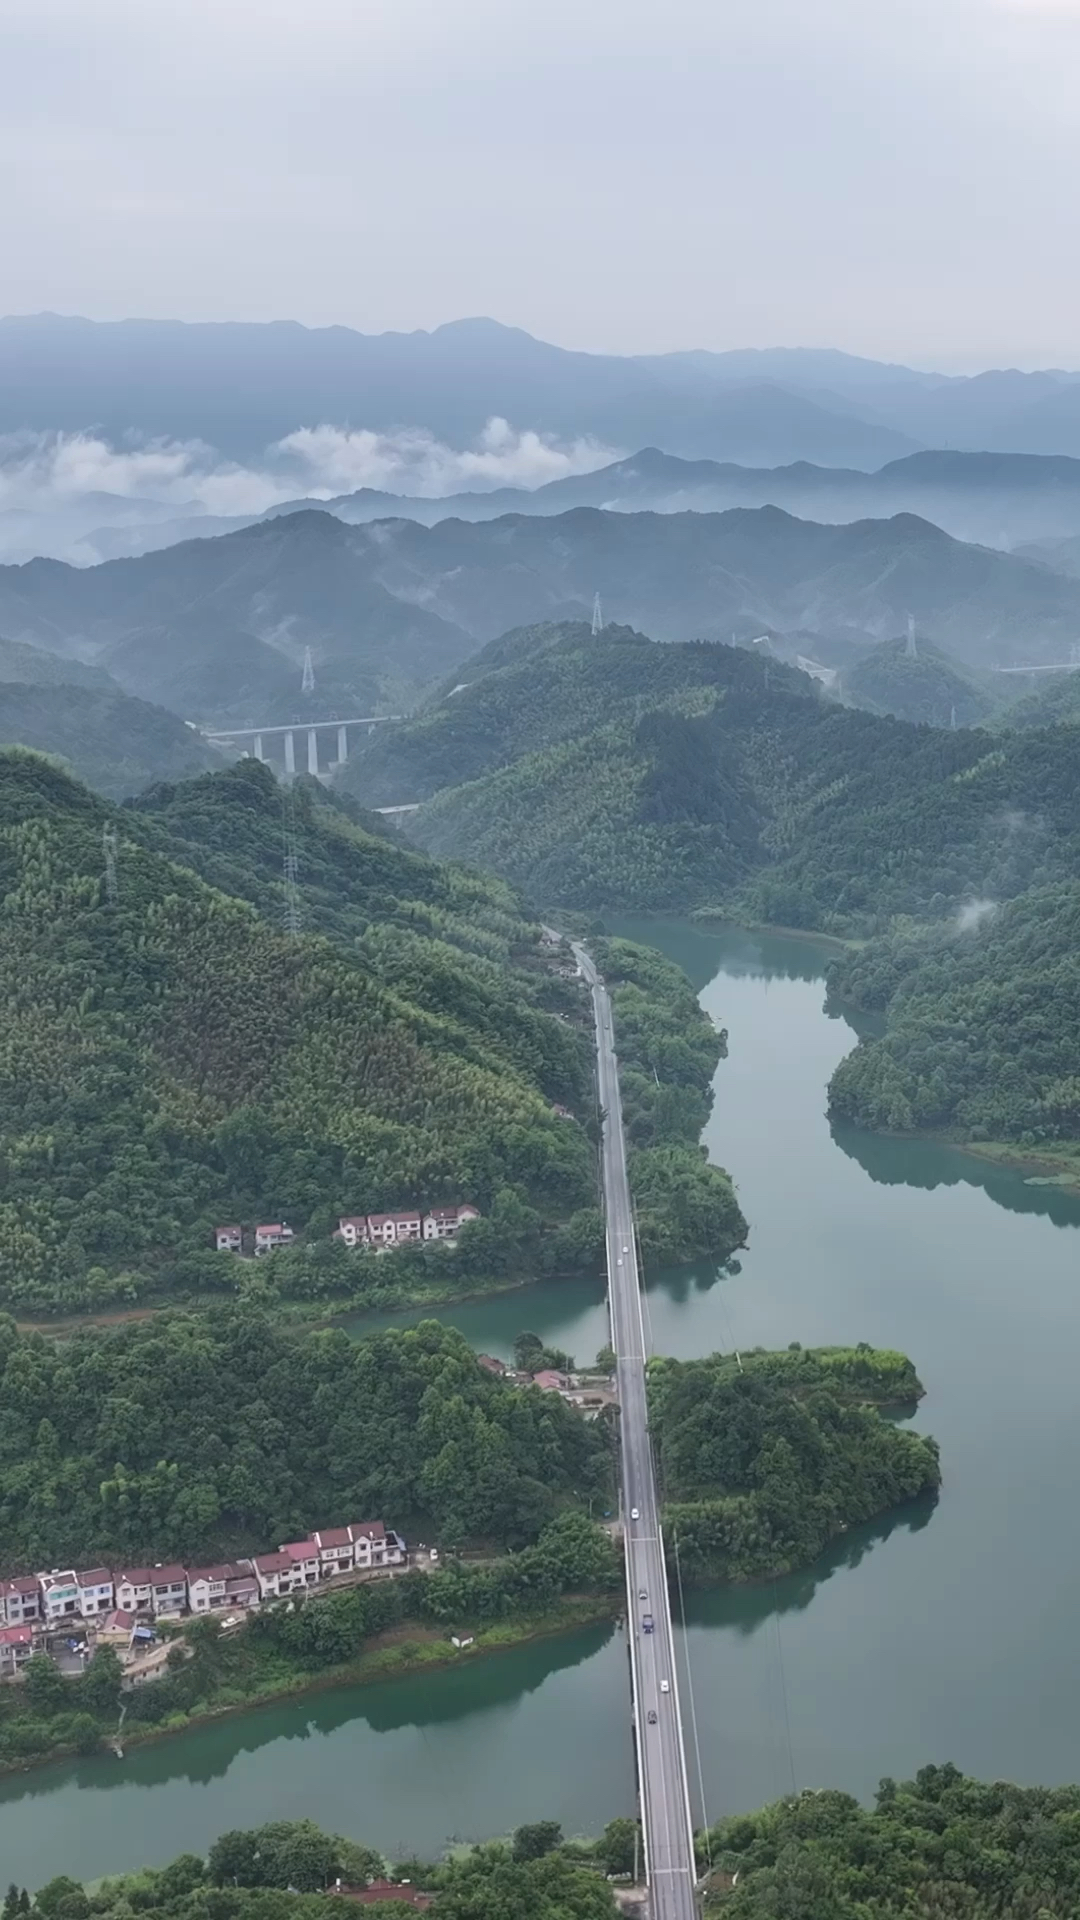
(973, 913)
(53, 473)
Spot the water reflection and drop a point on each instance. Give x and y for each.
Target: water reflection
(745, 1609)
(427, 1700)
(930, 1164)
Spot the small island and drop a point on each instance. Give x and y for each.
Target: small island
(766, 1457)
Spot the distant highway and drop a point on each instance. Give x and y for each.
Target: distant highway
(666, 1819)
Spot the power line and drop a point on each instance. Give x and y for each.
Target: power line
(693, 1703)
(110, 848)
(290, 864)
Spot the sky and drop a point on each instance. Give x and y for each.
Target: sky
(898, 178)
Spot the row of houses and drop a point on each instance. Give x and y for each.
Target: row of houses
(358, 1230)
(115, 1600)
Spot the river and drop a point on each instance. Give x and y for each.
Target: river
(947, 1633)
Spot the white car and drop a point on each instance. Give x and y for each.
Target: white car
(664, 1687)
(634, 1514)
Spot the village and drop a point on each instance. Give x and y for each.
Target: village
(68, 1613)
(376, 1231)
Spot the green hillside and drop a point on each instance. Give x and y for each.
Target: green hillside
(733, 786)
(114, 743)
(982, 1025)
(174, 1059)
(1053, 701)
(538, 687)
(927, 687)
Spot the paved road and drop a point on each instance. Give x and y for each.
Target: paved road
(665, 1799)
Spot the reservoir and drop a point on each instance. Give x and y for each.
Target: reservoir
(947, 1633)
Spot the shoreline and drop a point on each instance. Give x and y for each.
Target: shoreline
(400, 1655)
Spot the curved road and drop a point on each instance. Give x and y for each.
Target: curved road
(665, 1799)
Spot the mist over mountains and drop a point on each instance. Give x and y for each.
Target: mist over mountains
(217, 629)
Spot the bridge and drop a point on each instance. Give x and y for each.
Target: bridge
(663, 1787)
(236, 737)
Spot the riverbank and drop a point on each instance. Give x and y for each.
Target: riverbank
(401, 1653)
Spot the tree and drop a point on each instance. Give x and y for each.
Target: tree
(99, 1686)
(46, 1688)
(620, 1847)
(533, 1842)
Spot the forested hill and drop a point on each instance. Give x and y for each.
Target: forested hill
(536, 687)
(173, 1060)
(690, 777)
(982, 1031)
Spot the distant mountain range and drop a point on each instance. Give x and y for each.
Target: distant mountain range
(240, 386)
(1010, 501)
(216, 629)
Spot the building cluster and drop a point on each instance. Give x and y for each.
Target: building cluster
(116, 1602)
(590, 1393)
(378, 1230)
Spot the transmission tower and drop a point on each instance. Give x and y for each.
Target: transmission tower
(290, 865)
(109, 846)
(307, 684)
(597, 616)
(911, 649)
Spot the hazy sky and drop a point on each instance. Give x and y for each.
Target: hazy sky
(896, 177)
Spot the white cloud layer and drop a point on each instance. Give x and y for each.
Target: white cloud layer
(54, 473)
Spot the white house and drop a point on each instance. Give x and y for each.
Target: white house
(216, 1589)
(390, 1229)
(443, 1222)
(277, 1575)
(20, 1600)
(60, 1595)
(152, 1589)
(374, 1547)
(353, 1229)
(267, 1238)
(16, 1646)
(304, 1555)
(335, 1549)
(96, 1591)
(229, 1239)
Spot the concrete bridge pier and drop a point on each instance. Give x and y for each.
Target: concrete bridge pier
(342, 745)
(290, 754)
(313, 753)
(259, 754)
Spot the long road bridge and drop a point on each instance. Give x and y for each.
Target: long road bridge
(663, 1786)
(258, 736)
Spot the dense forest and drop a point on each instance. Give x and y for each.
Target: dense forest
(924, 686)
(982, 1024)
(194, 1435)
(765, 1457)
(733, 785)
(172, 1059)
(668, 1053)
(281, 1871)
(939, 1847)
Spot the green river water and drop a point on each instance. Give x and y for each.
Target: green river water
(947, 1633)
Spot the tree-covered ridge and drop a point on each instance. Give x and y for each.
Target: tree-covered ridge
(171, 1059)
(286, 1870)
(926, 686)
(766, 1457)
(112, 741)
(939, 1847)
(193, 1435)
(982, 1024)
(448, 940)
(733, 786)
(536, 688)
(668, 1053)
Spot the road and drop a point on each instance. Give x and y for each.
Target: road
(665, 1800)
